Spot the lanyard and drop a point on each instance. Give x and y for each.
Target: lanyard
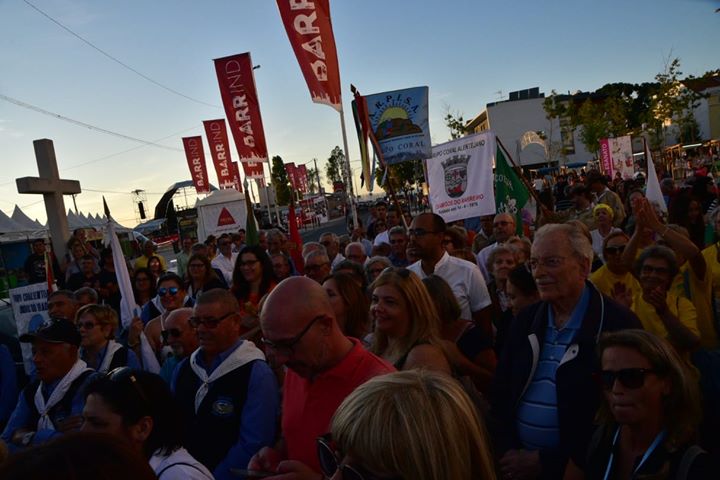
(659, 438)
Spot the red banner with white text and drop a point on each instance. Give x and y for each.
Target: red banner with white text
(237, 182)
(291, 171)
(253, 170)
(309, 28)
(196, 162)
(220, 151)
(302, 178)
(240, 100)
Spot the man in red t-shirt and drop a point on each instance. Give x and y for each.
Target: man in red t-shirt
(323, 367)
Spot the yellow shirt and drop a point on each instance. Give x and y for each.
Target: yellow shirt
(700, 293)
(605, 280)
(142, 261)
(679, 306)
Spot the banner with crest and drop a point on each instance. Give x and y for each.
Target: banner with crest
(460, 177)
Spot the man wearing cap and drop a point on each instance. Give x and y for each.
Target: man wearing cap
(53, 403)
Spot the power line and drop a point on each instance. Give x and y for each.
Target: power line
(118, 61)
(20, 103)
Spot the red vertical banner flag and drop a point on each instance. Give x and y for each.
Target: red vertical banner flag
(253, 170)
(220, 152)
(240, 100)
(302, 173)
(309, 29)
(237, 182)
(196, 162)
(290, 169)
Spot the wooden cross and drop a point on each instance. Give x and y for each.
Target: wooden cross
(52, 188)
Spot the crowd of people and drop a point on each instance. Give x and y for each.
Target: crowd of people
(579, 343)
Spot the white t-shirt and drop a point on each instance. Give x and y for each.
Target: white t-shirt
(597, 241)
(465, 280)
(338, 258)
(190, 469)
(225, 265)
(382, 237)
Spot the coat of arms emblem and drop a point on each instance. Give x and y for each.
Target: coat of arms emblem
(455, 169)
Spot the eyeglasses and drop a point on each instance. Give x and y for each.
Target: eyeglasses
(615, 250)
(330, 463)
(86, 325)
(209, 322)
(547, 262)
(632, 378)
(419, 232)
(248, 263)
(315, 268)
(287, 347)
(120, 374)
(170, 332)
(162, 291)
(648, 270)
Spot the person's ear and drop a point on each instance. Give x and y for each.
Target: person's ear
(141, 430)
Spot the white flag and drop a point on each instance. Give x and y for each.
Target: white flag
(653, 192)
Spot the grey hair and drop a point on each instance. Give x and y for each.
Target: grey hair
(317, 253)
(579, 243)
(397, 230)
(275, 233)
(377, 259)
(356, 244)
(313, 247)
(91, 292)
(334, 237)
(661, 252)
(69, 294)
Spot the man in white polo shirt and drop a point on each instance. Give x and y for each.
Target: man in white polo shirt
(427, 232)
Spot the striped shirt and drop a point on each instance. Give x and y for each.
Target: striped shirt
(537, 416)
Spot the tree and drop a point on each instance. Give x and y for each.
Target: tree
(335, 165)
(403, 175)
(281, 181)
(314, 179)
(455, 123)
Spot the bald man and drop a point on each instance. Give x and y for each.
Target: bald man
(503, 228)
(323, 366)
(181, 337)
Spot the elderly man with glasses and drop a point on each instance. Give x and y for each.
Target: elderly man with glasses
(324, 366)
(226, 391)
(503, 228)
(544, 399)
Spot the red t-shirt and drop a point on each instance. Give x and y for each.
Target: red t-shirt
(308, 406)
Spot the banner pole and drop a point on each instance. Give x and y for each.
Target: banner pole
(348, 180)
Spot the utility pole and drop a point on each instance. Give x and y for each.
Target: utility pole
(317, 172)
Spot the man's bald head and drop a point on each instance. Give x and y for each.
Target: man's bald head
(293, 301)
(178, 334)
(178, 316)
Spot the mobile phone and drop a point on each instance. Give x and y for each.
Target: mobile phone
(244, 473)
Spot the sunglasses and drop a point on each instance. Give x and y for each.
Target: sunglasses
(162, 291)
(330, 463)
(170, 332)
(210, 322)
(122, 374)
(86, 325)
(615, 250)
(632, 378)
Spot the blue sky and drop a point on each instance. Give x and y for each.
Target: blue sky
(465, 51)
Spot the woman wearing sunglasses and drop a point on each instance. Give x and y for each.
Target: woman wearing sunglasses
(649, 418)
(406, 322)
(415, 425)
(97, 325)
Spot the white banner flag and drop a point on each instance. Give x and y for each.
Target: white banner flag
(460, 177)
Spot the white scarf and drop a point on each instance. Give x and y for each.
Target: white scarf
(246, 352)
(112, 347)
(62, 388)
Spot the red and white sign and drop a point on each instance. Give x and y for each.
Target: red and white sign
(253, 170)
(303, 178)
(196, 162)
(237, 181)
(237, 88)
(225, 218)
(308, 25)
(220, 151)
(291, 170)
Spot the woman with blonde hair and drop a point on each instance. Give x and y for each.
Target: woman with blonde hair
(649, 419)
(97, 325)
(416, 425)
(406, 322)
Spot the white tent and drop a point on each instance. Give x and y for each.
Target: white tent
(20, 217)
(222, 211)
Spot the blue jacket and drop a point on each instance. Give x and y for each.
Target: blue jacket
(578, 397)
(8, 385)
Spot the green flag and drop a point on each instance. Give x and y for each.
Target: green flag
(510, 192)
(251, 231)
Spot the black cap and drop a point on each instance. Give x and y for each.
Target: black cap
(55, 331)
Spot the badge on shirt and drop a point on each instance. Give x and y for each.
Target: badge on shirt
(223, 407)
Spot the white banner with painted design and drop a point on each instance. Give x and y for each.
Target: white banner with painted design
(29, 305)
(222, 218)
(460, 177)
